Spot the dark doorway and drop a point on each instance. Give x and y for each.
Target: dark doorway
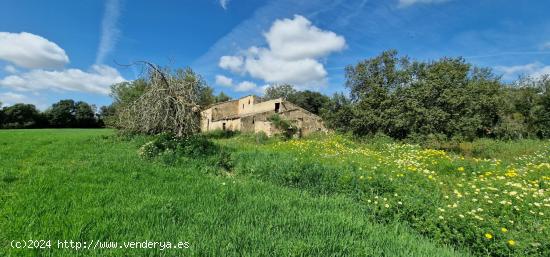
(277, 107)
(223, 126)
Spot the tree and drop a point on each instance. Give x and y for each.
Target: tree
(62, 114)
(279, 91)
(222, 97)
(21, 116)
(337, 113)
(371, 83)
(85, 115)
(207, 96)
(170, 104)
(309, 100)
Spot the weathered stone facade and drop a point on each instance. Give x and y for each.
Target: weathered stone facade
(251, 116)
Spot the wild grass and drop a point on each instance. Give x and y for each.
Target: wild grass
(497, 205)
(84, 185)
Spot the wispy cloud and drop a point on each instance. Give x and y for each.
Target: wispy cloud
(109, 30)
(407, 3)
(224, 3)
(536, 69)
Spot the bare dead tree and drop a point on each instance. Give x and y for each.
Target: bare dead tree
(170, 104)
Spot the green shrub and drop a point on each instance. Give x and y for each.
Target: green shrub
(286, 128)
(261, 137)
(170, 147)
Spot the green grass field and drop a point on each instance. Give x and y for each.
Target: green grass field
(85, 185)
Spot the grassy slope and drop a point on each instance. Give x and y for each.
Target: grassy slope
(80, 185)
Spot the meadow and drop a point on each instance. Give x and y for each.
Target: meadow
(325, 195)
(496, 206)
(83, 185)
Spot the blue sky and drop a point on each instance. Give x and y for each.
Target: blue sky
(52, 50)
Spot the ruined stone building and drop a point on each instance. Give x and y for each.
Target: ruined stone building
(250, 115)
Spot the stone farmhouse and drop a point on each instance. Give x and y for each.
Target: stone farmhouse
(250, 115)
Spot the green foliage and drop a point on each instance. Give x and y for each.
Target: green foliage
(285, 127)
(222, 97)
(309, 100)
(71, 114)
(284, 91)
(338, 113)
(21, 116)
(448, 98)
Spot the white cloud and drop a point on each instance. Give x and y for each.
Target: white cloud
(224, 3)
(535, 70)
(232, 63)
(295, 39)
(294, 47)
(407, 3)
(109, 30)
(10, 98)
(97, 80)
(246, 86)
(10, 69)
(224, 81)
(31, 51)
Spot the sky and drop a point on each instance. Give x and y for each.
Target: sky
(64, 49)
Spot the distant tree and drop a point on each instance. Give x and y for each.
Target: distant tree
(1, 115)
(85, 115)
(222, 97)
(106, 115)
(62, 114)
(207, 97)
(279, 91)
(21, 116)
(125, 93)
(309, 100)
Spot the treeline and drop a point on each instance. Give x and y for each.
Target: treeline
(389, 94)
(63, 114)
(444, 99)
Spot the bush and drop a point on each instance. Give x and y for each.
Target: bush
(286, 128)
(170, 147)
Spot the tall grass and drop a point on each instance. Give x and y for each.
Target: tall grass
(84, 185)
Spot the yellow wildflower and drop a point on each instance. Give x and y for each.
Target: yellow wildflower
(461, 169)
(504, 230)
(488, 236)
(511, 242)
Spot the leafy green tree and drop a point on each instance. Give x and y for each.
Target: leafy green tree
(85, 115)
(371, 83)
(207, 97)
(22, 116)
(127, 92)
(338, 113)
(284, 91)
(62, 114)
(309, 100)
(222, 97)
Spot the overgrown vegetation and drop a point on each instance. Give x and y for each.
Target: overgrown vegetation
(286, 129)
(494, 206)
